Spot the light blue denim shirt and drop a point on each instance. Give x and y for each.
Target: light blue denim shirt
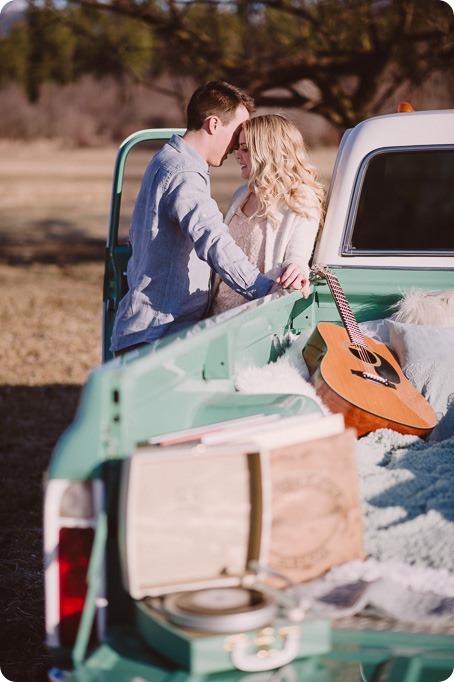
(177, 235)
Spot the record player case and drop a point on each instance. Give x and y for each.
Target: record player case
(194, 517)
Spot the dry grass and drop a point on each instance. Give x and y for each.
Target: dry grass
(54, 206)
(50, 320)
(51, 323)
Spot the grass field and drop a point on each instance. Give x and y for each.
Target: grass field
(54, 207)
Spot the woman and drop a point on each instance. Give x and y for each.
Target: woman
(275, 217)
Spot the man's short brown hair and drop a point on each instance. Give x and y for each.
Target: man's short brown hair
(216, 98)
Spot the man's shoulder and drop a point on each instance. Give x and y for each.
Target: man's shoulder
(172, 166)
(177, 156)
(167, 156)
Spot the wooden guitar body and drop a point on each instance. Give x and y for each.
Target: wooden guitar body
(368, 387)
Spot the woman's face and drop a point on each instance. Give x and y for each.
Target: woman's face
(243, 157)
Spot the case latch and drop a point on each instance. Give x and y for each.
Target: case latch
(263, 650)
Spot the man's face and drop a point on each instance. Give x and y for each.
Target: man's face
(226, 137)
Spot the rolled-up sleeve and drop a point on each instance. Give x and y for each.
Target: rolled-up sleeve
(190, 204)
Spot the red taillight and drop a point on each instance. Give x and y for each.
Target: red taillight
(72, 512)
(74, 549)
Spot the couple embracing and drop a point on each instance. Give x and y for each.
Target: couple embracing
(187, 261)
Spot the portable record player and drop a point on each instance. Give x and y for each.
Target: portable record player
(194, 519)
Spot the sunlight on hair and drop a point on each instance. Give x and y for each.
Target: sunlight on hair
(281, 172)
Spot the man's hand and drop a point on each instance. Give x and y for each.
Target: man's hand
(294, 277)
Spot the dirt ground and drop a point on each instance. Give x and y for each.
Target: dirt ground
(54, 208)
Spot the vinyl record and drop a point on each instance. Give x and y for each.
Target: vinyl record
(224, 609)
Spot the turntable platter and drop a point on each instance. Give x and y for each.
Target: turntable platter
(227, 609)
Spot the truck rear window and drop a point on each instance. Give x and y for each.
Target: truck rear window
(406, 203)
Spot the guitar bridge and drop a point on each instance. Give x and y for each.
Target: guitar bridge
(376, 378)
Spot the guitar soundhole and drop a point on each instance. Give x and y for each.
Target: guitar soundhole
(378, 363)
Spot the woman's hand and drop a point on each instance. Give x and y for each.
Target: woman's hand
(293, 276)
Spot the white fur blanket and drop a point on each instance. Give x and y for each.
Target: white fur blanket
(433, 308)
(288, 374)
(406, 489)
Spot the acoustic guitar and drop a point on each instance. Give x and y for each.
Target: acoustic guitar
(360, 377)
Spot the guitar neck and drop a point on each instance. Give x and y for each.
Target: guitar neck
(350, 323)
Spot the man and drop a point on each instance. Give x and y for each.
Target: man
(177, 231)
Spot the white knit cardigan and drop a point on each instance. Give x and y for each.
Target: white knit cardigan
(291, 241)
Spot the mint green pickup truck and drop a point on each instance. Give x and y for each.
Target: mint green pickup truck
(389, 229)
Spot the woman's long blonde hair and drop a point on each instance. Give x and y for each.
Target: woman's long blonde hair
(281, 173)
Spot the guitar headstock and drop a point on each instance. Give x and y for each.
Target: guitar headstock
(319, 270)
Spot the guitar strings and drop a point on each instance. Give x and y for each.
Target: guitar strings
(356, 337)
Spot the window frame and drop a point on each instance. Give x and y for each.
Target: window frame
(347, 249)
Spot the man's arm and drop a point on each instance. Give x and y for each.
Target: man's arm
(190, 204)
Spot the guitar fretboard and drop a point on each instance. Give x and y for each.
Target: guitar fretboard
(351, 325)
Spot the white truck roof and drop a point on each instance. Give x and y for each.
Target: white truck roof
(410, 131)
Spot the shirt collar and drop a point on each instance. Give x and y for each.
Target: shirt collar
(184, 148)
